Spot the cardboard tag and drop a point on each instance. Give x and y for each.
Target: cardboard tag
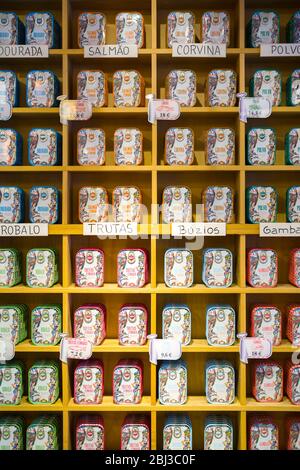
(74, 110)
(199, 50)
(24, 51)
(162, 110)
(75, 348)
(280, 50)
(198, 229)
(24, 230)
(163, 349)
(7, 350)
(110, 51)
(254, 348)
(256, 108)
(275, 229)
(107, 229)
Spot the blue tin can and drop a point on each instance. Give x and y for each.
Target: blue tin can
(172, 383)
(11, 143)
(219, 382)
(42, 89)
(217, 267)
(220, 325)
(44, 205)
(44, 147)
(177, 432)
(9, 87)
(218, 433)
(11, 29)
(177, 323)
(11, 205)
(42, 29)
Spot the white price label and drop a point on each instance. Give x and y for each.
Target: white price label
(7, 350)
(254, 348)
(24, 230)
(258, 108)
(162, 110)
(106, 229)
(110, 51)
(24, 51)
(75, 348)
(163, 349)
(198, 229)
(279, 230)
(280, 50)
(74, 110)
(199, 50)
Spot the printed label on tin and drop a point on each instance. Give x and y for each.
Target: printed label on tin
(110, 51)
(279, 50)
(24, 230)
(279, 230)
(23, 51)
(109, 229)
(199, 50)
(198, 229)
(7, 350)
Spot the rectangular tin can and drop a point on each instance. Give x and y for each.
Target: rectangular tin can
(43, 433)
(12, 383)
(177, 432)
(42, 29)
(42, 89)
(261, 204)
(261, 146)
(221, 88)
(293, 433)
(293, 382)
(220, 325)
(89, 267)
(41, 267)
(9, 87)
(267, 84)
(89, 382)
(44, 147)
(217, 267)
(10, 147)
(90, 323)
(176, 204)
(293, 28)
(126, 201)
(263, 28)
(13, 322)
(46, 325)
(10, 267)
(219, 382)
(178, 268)
(128, 89)
(266, 322)
(262, 267)
(172, 383)
(218, 433)
(128, 381)
(91, 29)
(181, 86)
(92, 86)
(12, 207)
(130, 28)
(90, 433)
(293, 204)
(293, 89)
(292, 147)
(220, 146)
(267, 381)
(44, 205)
(263, 433)
(11, 29)
(11, 429)
(218, 204)
(132, 267)
(180, 28)
(128, 146)
(91, 146)
(43, 382)
(293, 324)
(133, 324)
(177, 323)
(135, 432)
(179, 146)
(93, 204)
(216, 27)
(294, 267)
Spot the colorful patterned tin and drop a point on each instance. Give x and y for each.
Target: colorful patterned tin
(294, 267)
(218, 433)
(217, 267)
(263, 433)
(221, 88)
(132, 267)
(293, 89)
(218, 204)
(11, 383)
(43, 433)
(133, 324)
(266, 322)
(11, 29)
(219, 382)
(128, 88)
(130, 28)
(220, 325)
(177, 323)
(261, 204)
(42, 89)
(177, 432)
(181, 86)
(11, 428)
(220, 146)
(92, 86)
(292, 147)
(172, 383)
(90, 433)
(216, 27)
(12, 208)
(176, 204)
(128, 146)
(91, 147)
(89, 267)
(135, 432)
(293, 204)
(13, 322)
(46, 325)
(10, 267)
(293, 433)
(41, 267)
(262, 267)
(43, 382)
(93, 204)
(179, 146)
(89, 382)
(181, 28)
(44, 205)
(9, 87)
(10, 147)
(293, 28)
(267, 84)
(178, 268)
(263, 28)
(126, 201)
(44, 147)
(293, 382)
(267, 381)
(91, 29)
(42, 29)
(261, 146)
(293, 324)
(90, 323)
(128, 381)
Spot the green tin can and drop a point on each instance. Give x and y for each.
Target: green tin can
(43, 382)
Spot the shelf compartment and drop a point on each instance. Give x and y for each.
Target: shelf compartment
(195, 403)
(108, 405)
(26, 406)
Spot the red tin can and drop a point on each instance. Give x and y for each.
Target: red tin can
(89, 382)
(89, 267)
(293, 382)
(128, 381)
(294, 267)
(293, 324)
(267, 381)
(90, 323)
(132, 267)
(90, 433)
(266, 322)
(293, 433)
(135, 432)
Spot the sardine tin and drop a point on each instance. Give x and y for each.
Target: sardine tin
(179, 146)
(90, 433)
(130, 28)
(293, 324)
(132, 267)
(11, 143)
(293, 382)
(261, 204)
(218, 433)
(93, 204)
(266, 322)
(267, 84)
(41, 267)
(12, 30)
(133, 324)
(89, 267)
(218, 204)
(292, 147)
(177, 432)
(261, 146)
(128, 381)
(91, 147)
(89, 382)
(11, 428)
(263, 28)
(219, 382)
(90, 323)
(221, 88)
(181, 86)
(41, 28)
(12, 383)
(91, 29)
(172, 383)
(176, 204)
(12, 208)
(13, 322)
(178, 267)
(44, 147)
(220, 146)
(44, 205)
(128, 88)
(10, 267)
(128, 146)
(9, 87)
(220, 325)
(263, 433)
(180, 28)
(177, 323)
(267, 381)
(126, 202)
(294, 267)
(42, 89)
(293, 433)
(262, 267)
(135, 432)
(43, 434)
(293, 89)
(293, 28)
(217, 267)
(216, 27)
(43, 382)
(92, 86)
(46, 325)
(293, 204)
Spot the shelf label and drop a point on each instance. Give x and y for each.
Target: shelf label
(254, 348)
(7, 350)
(162, 110)
(199, 50)
(163, 349)
(74, 110)
(280, 50)
(279, 230)
(24, 230)
(110, 51)
(24, 51)
(110, 228)
(198, 229)
(258, 108)
(75, 348)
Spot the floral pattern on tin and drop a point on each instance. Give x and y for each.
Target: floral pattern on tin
(8, 147)
(10, 385)
(264, 436)
(89, 323)
(43, 384)
(89, 266)
(293, 384)
(132, 325)
(177, 437)
(215, 27)
(91, 85)
(218, 204)
(181, 28)
(91, 29)
(130, 29)
(132, 266)
(181, 86)
(11, 210)
(88, 385)
(9, 29)
(220, 146)
(93, 205)
(135, 437)
(218, 437)
(40, 86)
(221, 88)
(128, 146)
(179, 268)
(9, 268)
(39, 29)
(267, 84)
(42, 147)
(46, 325)
(176, 324)
(91, 147)
(8, 86)
(268, 382)
(43, 205)
(264, 28)
(172, 385)
(220, 384)
(294, 85)
(293, 204)
(10, 324)
(262, 204)
(176, 204)
(127, 385)
(127, 88)
(262, 268)
(90, 437)
(220, 326)
(217, 268)
(179, 146)
(41, 268)
(127, 204)
(266, 323)
(294, 435)
(294, 146)
(261, 146)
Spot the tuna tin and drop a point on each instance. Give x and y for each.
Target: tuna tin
(89, 267)
(217, 267)
(293, 324)
(218, 204)
(219, 382)
(130, 28)
(178, 268)
(133, 324)
(128, 146)
(176, 204)
(177, 433)
(44, 147)
(293, 28)
(262, 267)
(293, 382)
(44, 205)
(266, 322)
(293, 204)
(177, 323)
(9, 87)
(293, 89)
(263, 28)
(132, 268)
(11, 29)
(221, 88)
(127, 202)
(128, 381)
(293, 433)
(261, 146)
(263, 434)
(90, 434)
(220, 146)
(220, 325)
(13, 322)
(43, 434)
(10, 147)
(292, 147)
(135, 432)
(218, 433)
(42, 89)
(11, 427)
(43, 382)
(10, 267)
(261, 204)
(128, 88)
(181, 86)
(42, 29)
(12, 383)
(216, 27)
(267, 84)
(89, 382)
(91, 29)
(11, 204)
(267, 380)
(93, 204)
(46, 325)
(179, 146)
(90, 323)
(181, 28)
(91, 147)
(172, 383)
(294, 267)
(92, 86)
(41, 267)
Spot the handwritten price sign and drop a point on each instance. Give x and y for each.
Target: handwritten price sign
(162, 110)
(163, 349)
(254, 348)
(75, 348)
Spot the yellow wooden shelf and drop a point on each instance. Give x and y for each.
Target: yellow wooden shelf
(26, 406)
(112, 345)
(28, 346)
(22, 289)
(284, 405)
(200, 404)
(197, 289)
(108, 288)
(29, 168)
(108, 405)
(107, 168)
(201, 345)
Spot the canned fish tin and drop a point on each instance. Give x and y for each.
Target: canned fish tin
(90, 433)
(172, 383)
(293, 382)
(89, 267)
(294, 267)
(219, 382)
(91, 147)
(221, 88)
(10, 267)
(43, 434)
(130, 28)
(262, 267)
(220, 325)
(179, 146)
(292, 147)
(177, 433)
(267, 84)
(267, 381)
(133, 324)
(261, 204)
(293, 28)
(217, 267)
(216, 27)
(293, 89)
(12, 383)
(263, 434)
(44, 205)
(41, 28)
(44, 147)
(11, 430)
(181, 86)
(128, 381)
(93, 204)
(293, 433)
(13, 322)
(263, 28)
(11, 205)
(177, 323)
(135, 432)
(92, 86)
(178, 268)
(10, 147)
(127, 201)
(220, 146)
(128, 88)
(41, 267)
(46, 325)
(293, 324)
(42, 89)
(293, 204)
(218, 433)
(218, 204)
(9, 87)
(11, 29)
(43, 382)
(181, 27)
(90, 323)
(89, 382)
(266, 322)
(132, 268)
(91, 29)
(261, 146)
(176, 204)
(128, 146)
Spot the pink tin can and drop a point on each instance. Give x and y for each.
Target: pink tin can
(293, 433)
(90, 433)
(132, 267)
(128, 381)
(266, 322)
(294, 268)
(89, 382)
(135, 432)
(89, 267)
(90, 323)
(293, 382)
(263, 434)
(133, 324)
(293, 324)
(267, 381)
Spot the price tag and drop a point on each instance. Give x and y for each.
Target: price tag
(254, 348)
(24, 51)
(75, 348)
(163, 349)
(106, 229)
(7, 350)
(279, 230)
(198, 229)
(199, 50)
(280, 50)
(24, 230)
(258, 108)
(74, 110)
(110, 51)
(162, 110)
